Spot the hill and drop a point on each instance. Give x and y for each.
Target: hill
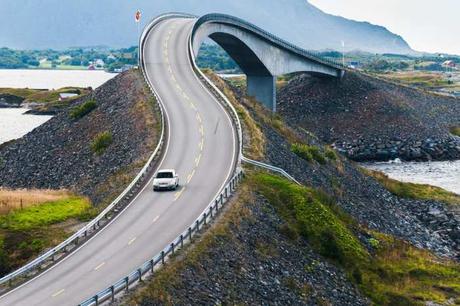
(373, 119)
(58, 24)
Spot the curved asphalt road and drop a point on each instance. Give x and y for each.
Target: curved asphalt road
(202, 148)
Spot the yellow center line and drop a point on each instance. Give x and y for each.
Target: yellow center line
(178, 194)
(185, 96)
(132, 240)
(198, 117)
(197, 160)
(155, 219)
(201, 144)
(189, 178)
(201, 130)
(178, 87)
(58, 293)
(100, 266)
(192, 106)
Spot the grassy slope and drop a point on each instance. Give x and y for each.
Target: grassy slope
(415, 191)
(27, 232)
(387, 270)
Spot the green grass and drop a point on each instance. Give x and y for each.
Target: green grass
(43, 96)
(83, 109)
(306, 212)
(415, 191)
(455, 130)
(45, 214)
(394, 273)
(101, 142)
(310, 153)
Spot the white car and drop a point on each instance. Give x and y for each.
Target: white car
(166, 179)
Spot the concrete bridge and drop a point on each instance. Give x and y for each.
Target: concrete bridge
(261, 55)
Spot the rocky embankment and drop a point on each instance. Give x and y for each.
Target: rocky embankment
(250, 257)
(61, 154)
(369, 119)
(8, 100)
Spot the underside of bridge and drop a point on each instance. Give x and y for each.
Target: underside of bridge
(260, 55)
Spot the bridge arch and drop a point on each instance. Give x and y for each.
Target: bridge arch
(261, 55)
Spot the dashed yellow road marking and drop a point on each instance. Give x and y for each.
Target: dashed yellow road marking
(155, 219)
(173, 78)
(99, 266)
(201, 130)
(197, 160)
(178, 194)
(198, 117)
(201, 144)
(192, 106)
(189, 178)
(178, 87)
(58, 293)
(132, 240)
(185, 96)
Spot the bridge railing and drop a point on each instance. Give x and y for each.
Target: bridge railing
(235, 21)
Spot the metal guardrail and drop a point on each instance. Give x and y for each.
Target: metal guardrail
(234, 21)
(156, 261)
(48, 258)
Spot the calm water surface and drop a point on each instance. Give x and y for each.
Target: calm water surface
(52, 79)
(442, 174)
(15, 124)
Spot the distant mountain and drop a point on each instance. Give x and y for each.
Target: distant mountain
(31, 24)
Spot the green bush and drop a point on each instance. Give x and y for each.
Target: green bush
(101, 142)
(308, 153)
(331, 154)
(83, 109)
(455, 130)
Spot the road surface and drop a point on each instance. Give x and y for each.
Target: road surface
(202, 148)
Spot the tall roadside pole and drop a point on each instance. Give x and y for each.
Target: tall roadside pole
(137, 18)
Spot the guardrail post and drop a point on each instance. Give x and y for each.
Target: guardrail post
(226, 192)
(86, 233)
(217, 205)
(197, 225)
(221, 199)
(139, 271)
(190, 234)
(151, 265)
(163, 257)
(181, 240)
(96, 299)
(172, 248)
(204, 218)
(112, 292)
(210, 211)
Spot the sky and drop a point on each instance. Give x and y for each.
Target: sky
(427, 25)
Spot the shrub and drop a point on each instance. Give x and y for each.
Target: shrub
(83, 109)
(455, 130)
(101, 142)
(330, 154)
(308, 153)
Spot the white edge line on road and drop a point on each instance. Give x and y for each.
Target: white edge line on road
(167, 127)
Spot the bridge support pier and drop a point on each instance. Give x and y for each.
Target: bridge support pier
(263, 88)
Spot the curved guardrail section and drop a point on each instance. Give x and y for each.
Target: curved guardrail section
(212, 209)
(48, 258)
(242, 24)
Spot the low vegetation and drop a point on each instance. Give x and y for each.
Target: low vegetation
(395, 274)
(387, 270)
(415, 191)
(30, 222)
(83, 109)
(43, 96)
(101, 142)
(455, 130)
(311, 153)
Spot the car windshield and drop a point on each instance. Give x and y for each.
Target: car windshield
(164, 175)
